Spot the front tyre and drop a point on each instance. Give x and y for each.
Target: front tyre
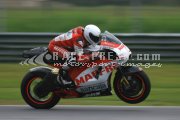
(132, 88)
(29, 82)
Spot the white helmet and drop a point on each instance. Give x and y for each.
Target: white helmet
(92, 34)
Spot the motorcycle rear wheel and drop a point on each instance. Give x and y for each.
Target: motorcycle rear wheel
(27, 92)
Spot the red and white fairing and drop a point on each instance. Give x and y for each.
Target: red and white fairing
(84, 77)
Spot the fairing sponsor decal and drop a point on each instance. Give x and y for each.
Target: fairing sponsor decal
(92, 88)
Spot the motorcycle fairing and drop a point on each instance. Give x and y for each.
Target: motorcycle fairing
(86, 81)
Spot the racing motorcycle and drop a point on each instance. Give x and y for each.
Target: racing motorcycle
(130, 83)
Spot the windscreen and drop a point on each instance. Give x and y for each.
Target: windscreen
(107, 36)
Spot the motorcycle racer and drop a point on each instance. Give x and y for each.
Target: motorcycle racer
(74, 40)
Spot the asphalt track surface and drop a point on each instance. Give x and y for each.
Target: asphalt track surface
(8, 112)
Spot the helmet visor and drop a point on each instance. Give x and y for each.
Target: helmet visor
(95, 39)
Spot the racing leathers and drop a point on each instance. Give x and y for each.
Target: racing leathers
(72, 41)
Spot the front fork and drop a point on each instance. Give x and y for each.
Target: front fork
(125, 70)
(125, 80)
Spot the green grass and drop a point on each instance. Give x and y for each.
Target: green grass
(165, 87)
(112, 18)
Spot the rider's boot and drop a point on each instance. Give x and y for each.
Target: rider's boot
(65, 79)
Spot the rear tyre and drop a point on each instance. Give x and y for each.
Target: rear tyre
(29, 82)
(136, 91)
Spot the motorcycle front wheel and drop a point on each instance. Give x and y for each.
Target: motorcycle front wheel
(132, 88)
